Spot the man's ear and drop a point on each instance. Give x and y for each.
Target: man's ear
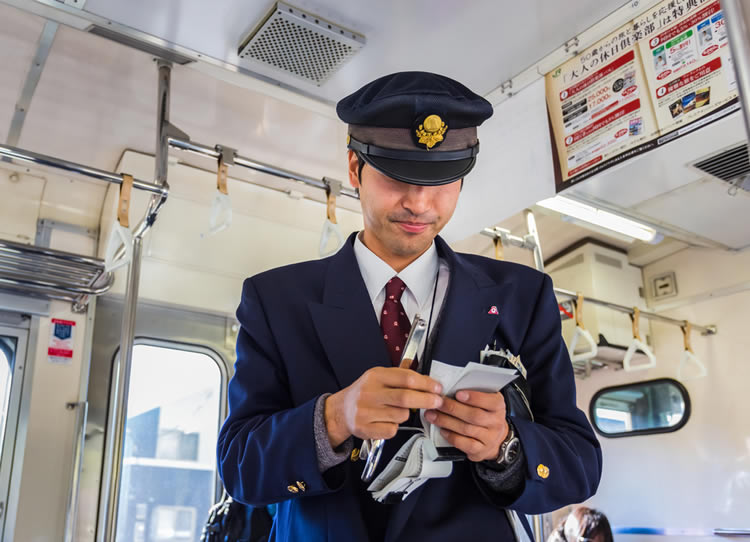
(353, 169)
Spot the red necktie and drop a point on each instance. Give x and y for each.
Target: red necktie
(393, 320)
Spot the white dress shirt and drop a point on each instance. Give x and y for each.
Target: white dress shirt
(419, 278)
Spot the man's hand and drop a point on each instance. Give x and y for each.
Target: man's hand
(379, 400)
(474, 423)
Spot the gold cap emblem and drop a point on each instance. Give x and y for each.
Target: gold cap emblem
(430, 131)
(292, 489)
(542, 471)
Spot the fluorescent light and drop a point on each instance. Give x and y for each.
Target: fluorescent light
(599, 217)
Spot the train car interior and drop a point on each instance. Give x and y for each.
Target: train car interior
(153, 155)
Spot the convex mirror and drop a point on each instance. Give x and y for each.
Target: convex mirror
(640, 408)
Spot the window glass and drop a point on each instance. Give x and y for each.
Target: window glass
(7, 357)
(654, 406)
(169, 457)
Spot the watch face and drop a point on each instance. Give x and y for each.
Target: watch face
(512, 450)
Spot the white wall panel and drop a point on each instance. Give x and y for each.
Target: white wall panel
(19, 206)
(514, 166)
(268, 229)
(706, 207)
(73, 201)
(696, 477)
(48, 456)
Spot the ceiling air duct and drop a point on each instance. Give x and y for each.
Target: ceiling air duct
(299, 43)
(729, 165)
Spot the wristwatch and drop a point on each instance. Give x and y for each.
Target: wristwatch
(510, 447)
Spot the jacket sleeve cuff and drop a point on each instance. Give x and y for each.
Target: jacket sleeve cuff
(507, 481)
(328, 457)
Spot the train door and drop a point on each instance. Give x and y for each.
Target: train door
(174, 404)
(14, 330)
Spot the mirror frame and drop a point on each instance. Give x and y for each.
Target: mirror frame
(654, 431)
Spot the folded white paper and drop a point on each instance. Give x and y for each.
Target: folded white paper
(473, 376)
(417, 460)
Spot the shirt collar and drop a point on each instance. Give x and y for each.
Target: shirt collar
(419, 275)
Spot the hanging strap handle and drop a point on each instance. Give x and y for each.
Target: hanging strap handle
(333, 189)
(221, 208)
(579, 311)
(123, 206)
(636, 345)
(687, 328)
(499, 252)
(582, 333)
(688, 356)
(221, 176)
(331, 205)
(635, 318)
(120, 235)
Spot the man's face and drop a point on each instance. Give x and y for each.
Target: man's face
(401, 220)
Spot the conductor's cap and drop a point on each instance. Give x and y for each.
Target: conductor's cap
(416, 127)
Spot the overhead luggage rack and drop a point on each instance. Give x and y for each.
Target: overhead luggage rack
(52, 274)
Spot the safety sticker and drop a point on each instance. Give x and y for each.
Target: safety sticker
(61, 341)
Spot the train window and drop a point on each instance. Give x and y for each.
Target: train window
(7, 358)
(169, 459)
(640, 408)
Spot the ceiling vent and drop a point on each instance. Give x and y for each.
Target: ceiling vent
(730, 165)
(300, 43)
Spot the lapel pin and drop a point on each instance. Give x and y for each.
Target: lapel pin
(493, 310)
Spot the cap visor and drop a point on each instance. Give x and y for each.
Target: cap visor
(431, 173)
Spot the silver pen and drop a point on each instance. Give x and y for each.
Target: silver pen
(372, 449)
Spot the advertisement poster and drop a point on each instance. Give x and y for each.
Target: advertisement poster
(661, 76)
(60, 348)
(599, 105)
(685, 52)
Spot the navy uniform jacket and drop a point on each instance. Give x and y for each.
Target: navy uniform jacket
(310, 328)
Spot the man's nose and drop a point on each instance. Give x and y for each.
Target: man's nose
(417, 199)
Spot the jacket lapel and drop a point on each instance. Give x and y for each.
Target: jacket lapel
(466, 325)
(346, 322)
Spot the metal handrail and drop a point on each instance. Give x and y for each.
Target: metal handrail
(738, 22)
(12, 154)
(531, 242)
(44, 285)
(81, 409)
(58, 254)
(214, 152)
(705, 330)
(51, 273)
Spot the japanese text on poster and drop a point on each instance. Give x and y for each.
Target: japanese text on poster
(666, 69)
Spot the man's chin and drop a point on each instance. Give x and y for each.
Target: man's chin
(413, 244)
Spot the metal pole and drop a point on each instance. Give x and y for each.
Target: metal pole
(119, 407)
(162, 127)
(82, 409)
(538, 527)
(249, 163)
(534, 234)
(737, 16)
(13, 154)
(705, 330)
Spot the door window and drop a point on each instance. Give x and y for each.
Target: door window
(169, 460)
